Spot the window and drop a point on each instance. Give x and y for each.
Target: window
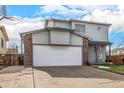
(80, 28)
(2, 43)
(99, 28)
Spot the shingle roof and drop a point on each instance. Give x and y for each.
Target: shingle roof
(54, 28)
(58, 28)
(82, 35)
(82, 21)
(90, 22)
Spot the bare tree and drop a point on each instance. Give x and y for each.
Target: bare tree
(121, 43)
(3, 13)
(12, 45)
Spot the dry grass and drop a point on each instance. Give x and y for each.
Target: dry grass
(115, 68)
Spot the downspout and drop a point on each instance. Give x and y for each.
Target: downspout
(109, 53)
(21, 46)
(96, 52)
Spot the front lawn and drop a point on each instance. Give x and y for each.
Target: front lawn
(115, 68)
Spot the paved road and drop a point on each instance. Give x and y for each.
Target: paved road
(80, 76)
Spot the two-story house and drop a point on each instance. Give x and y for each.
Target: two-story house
(66, 43)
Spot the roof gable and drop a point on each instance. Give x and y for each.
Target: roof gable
(54, 28)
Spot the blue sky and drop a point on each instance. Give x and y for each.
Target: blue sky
(30, 10)
(102, 13)
(22, 10)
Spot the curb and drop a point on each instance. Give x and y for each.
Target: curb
(109, 70)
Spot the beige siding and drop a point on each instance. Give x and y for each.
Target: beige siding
(59, 37)
(27, 50)
(41, 38)
(92, 55)
(104, 53)
(62, 24)
(85, 51)
(2, 50)
(92, 31)
(76, 40)
(50, 23)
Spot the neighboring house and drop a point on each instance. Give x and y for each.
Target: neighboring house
(3, 39)
(118, 51)
(66, 43)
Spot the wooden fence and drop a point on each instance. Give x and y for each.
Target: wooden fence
(117, 59)
(9, 59)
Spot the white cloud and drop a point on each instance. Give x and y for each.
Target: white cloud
(116, 18)
(13, 28)
(60, 10)
(105, 13)
(91, 8)
(121, 7)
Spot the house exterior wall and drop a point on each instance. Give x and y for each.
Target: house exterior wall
(76, 40)
(27, 50)
(2, 49)
(43, 38)
(104, 53)
(85, 51)
(62, 24)
(52, 23)
(92, 55)
(60, 37)
(40, 37)
(92, 31)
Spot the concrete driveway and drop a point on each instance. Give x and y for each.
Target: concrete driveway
(78, 76)
(1, 67)
(16, 77)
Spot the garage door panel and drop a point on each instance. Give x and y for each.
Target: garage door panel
(56, 55)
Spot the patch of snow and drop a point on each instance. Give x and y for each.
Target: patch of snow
(104, 67)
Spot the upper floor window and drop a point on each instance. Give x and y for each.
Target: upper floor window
(98, 27)
(80, 28)
(2, 43)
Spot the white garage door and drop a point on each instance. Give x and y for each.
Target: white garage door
(56, 55)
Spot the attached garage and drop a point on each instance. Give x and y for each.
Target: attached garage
(54, 48)
(44, 55)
